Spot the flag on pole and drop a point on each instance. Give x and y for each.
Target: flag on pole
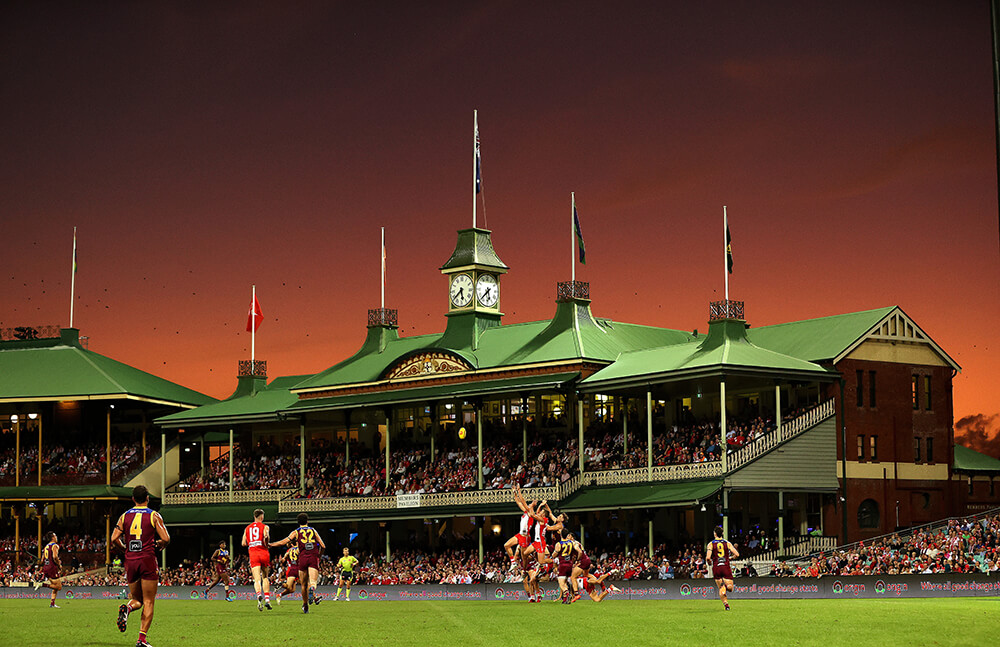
(729, 249)
(255, 316)
(479, 161)
(579, 235)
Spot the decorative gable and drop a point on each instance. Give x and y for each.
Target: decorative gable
(896, 338)
(426, 363)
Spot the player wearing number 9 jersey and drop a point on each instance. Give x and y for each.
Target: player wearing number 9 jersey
(255, 538)
(310, 545)
(140, 532)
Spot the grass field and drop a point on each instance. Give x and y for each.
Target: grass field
(964, 621)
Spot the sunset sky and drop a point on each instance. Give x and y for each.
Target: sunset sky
(204, 147)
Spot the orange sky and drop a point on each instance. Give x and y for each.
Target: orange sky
(202, 149)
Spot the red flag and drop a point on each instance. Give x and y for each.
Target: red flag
(255, 316)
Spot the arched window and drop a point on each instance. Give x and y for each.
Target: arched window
(868, 514)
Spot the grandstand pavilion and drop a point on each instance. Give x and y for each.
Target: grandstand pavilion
(75, 428)
(853, 418)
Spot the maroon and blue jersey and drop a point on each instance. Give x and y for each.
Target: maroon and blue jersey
(307, 541)
(720, 552)
(140, 533)
(49, 554)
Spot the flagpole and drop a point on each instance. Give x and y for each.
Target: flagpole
(725, 249)
(572, 233)
(253, 328)
(383, 268)
(72, 281)
(475, 136)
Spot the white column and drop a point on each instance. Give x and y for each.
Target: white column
(230, 465)
(777, 407)
(722, 426)
(649, 435)
(579, 425)
(781, 522)
(479, 441)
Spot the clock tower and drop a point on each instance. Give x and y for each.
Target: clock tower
(473, 272)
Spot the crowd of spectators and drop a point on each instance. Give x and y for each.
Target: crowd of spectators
(552, 459)
(79, 465)
(960, 546)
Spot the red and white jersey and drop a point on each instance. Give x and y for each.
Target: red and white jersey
(526, 520)
(540, 531)
(255, 535)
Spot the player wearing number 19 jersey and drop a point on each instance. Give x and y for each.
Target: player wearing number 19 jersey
(140, 532)
(310, 545)
(255, 538)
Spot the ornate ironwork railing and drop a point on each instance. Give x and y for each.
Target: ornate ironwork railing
(239, 496)
(789, 430)
(725, 309)
(567, 290)
(26, 333)
(392, 502)
(252, 368)
(382, 317)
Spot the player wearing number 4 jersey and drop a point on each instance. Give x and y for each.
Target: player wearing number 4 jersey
(256, 537)
(140, 532)
(719, 553)
(310, 545)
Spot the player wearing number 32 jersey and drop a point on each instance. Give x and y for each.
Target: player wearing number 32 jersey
(310, 545)
(256, 537)
(140, 532)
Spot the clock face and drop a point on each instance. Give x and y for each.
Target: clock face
(461, 291)
(487, 290)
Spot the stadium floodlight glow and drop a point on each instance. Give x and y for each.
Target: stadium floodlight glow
(32, 415)
(702, 507)
(13, 417)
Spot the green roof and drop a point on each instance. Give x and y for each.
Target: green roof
(969, 460)
(641, 496)
(63, 492)
(725, 349)
(474, 247)
(819, 339)
(245, 405)
(572, 334)
(60, 369)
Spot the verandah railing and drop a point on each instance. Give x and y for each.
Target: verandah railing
(658, 473)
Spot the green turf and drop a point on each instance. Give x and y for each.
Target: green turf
(964, 621)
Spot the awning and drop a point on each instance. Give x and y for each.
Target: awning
(64, 493)
(456, 390)
(649, 495)
(216, 514)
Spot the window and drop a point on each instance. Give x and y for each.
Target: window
(861, 447)
(930, 450)
(927, 392)
(874, 448)
(916, 393)
(868, 514)
(871, 389)
(916, 450)
(859, 388)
